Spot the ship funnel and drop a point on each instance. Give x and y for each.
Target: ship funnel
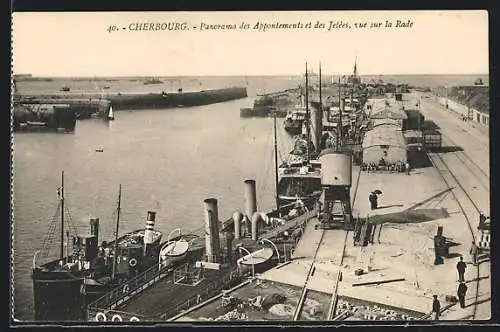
(94, 228)
(212, 245)
(237, 218)
(317, 122)
(150, 225)
(250, 198)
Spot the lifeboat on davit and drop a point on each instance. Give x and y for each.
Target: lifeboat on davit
(173, 251)
(256, 258)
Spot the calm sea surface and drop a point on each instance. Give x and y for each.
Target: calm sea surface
(168, 161)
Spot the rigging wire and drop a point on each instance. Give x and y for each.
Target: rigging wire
(263, 171)
(267, 179)
(282, 150)
(49, 237)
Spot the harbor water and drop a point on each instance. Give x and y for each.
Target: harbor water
(167, 161)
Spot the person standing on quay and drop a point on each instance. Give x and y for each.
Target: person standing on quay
(436, 308)
(373, 201)
(473, 253)
(461, 266)
(462, 290)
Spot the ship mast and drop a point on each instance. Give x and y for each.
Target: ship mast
(307, 118)
(339, 141)
(276, 167)
(320, 99)
(62, 215)
(115, 255)
(319, 130)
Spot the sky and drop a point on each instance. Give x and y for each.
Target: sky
(80, 44)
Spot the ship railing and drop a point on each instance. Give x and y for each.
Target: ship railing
(129, 289)
(209, 291)
(99, 315)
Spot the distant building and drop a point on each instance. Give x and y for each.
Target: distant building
(471, 101)
(354, 78)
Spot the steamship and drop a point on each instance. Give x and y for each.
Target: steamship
(294, 120)
(299, 175)
(62, 287)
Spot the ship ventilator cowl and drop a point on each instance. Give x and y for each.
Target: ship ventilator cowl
(150, 225)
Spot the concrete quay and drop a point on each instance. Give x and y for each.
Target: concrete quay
(475, 144)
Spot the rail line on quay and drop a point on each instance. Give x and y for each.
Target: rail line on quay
(463, 153)
(305, 288)
(450, 179)
(469, 163)
(484, 183)
(335, 297)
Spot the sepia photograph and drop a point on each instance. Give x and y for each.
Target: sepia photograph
(260, 166)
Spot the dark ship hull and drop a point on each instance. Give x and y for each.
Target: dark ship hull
(58, 296)
(61, 295)
(179, 99)
(79, 108)
(45, 117)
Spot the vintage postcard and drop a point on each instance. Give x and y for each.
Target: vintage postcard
(265, 166)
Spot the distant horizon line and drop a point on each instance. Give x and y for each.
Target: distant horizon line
(247, 75)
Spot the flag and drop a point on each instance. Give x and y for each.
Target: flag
(59, 193)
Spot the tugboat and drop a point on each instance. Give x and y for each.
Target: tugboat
(63, 286)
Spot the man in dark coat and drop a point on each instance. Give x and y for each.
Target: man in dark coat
(436, 307)
(461, 266)
(373, 201)
(462, 290)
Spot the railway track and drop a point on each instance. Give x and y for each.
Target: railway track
(475, 169)
(467, 205)
(342, 235)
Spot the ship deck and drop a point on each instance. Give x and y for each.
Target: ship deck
(166, 295)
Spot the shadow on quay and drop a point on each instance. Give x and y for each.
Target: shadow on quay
(389, 206)
(418, 159)
(478, 302)
(477, 279)
(451, 148)
(410, 216)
